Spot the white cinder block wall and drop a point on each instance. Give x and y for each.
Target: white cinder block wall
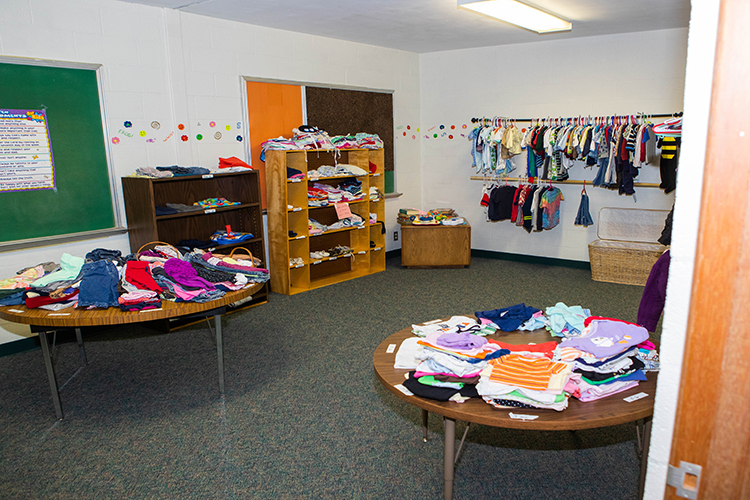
(604, 75)
(174, 68)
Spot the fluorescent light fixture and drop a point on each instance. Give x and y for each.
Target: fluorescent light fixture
(517, 13)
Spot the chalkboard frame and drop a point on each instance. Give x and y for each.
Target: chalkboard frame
(118, 227)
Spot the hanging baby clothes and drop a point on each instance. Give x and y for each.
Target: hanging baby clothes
(550, 207)
(668, 162)
(583, 218)
(501, 203)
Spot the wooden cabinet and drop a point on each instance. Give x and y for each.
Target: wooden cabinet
(290, 243)
(435, 246)
(142, 195)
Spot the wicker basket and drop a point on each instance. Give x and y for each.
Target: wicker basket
(624, 252)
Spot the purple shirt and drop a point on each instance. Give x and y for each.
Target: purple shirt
(184, 274)
(463, 340)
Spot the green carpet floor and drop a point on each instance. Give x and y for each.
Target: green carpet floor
(303, 416)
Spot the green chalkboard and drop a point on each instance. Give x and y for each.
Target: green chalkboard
(82, 199)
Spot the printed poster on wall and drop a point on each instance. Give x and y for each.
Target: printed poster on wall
(26, 161)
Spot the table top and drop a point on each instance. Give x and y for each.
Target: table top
(612, 410)
(74, 317)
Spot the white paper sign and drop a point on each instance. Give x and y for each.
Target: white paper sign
(635, 397)
(26, 161)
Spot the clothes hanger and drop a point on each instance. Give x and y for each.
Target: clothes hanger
(671, 127)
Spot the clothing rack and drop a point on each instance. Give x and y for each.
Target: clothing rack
(573, 119)
(569, 181)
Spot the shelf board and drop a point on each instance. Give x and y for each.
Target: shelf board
(332, 231)
(208, 176)
(330, 205)
(344, 176)
(206, 211)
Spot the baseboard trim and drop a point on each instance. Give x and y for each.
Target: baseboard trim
(531, 259)
(21, 345)
(526, 259)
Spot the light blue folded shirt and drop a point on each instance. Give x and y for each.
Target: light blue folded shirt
(70, 268)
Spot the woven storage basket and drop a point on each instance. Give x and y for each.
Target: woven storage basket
(627, 247)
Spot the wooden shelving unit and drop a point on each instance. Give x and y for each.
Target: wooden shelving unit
(288, 210)
(143, 194)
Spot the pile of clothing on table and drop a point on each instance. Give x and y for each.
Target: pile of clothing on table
(105, 278)
(459, 358)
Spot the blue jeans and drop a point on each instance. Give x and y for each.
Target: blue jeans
(98, 284)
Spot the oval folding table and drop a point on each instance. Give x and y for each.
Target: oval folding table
(609, 411)
(43, 322)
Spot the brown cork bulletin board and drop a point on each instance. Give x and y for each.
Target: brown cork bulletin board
(344, 112)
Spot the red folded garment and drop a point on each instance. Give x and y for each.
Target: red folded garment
(138, 274)
(43, 300)
(232, 162)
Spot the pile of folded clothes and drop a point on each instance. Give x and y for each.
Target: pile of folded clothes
(309, 137)
(105, 278)
(606, 357)
(462, 357)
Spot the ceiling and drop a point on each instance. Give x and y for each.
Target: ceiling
(435, 25)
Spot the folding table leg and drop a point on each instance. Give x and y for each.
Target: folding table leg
(219, 352)
(81, 348)
(51, 374)
(448, 459)
(644, 445)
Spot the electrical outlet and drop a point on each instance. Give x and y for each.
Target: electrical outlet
(395, 235)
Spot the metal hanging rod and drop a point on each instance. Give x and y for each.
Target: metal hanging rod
(547, 181)
(550, 118)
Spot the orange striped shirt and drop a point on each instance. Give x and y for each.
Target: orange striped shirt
(525, 371)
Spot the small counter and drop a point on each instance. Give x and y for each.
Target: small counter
(435, 246)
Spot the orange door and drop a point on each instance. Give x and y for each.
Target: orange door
(273, 109)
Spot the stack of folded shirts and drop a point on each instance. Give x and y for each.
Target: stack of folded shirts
(375, 194)
(316, 197)
(564, 321)
(454, 324)
(351, 189)
(605, 357)
(525, 378)
(450, 365)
